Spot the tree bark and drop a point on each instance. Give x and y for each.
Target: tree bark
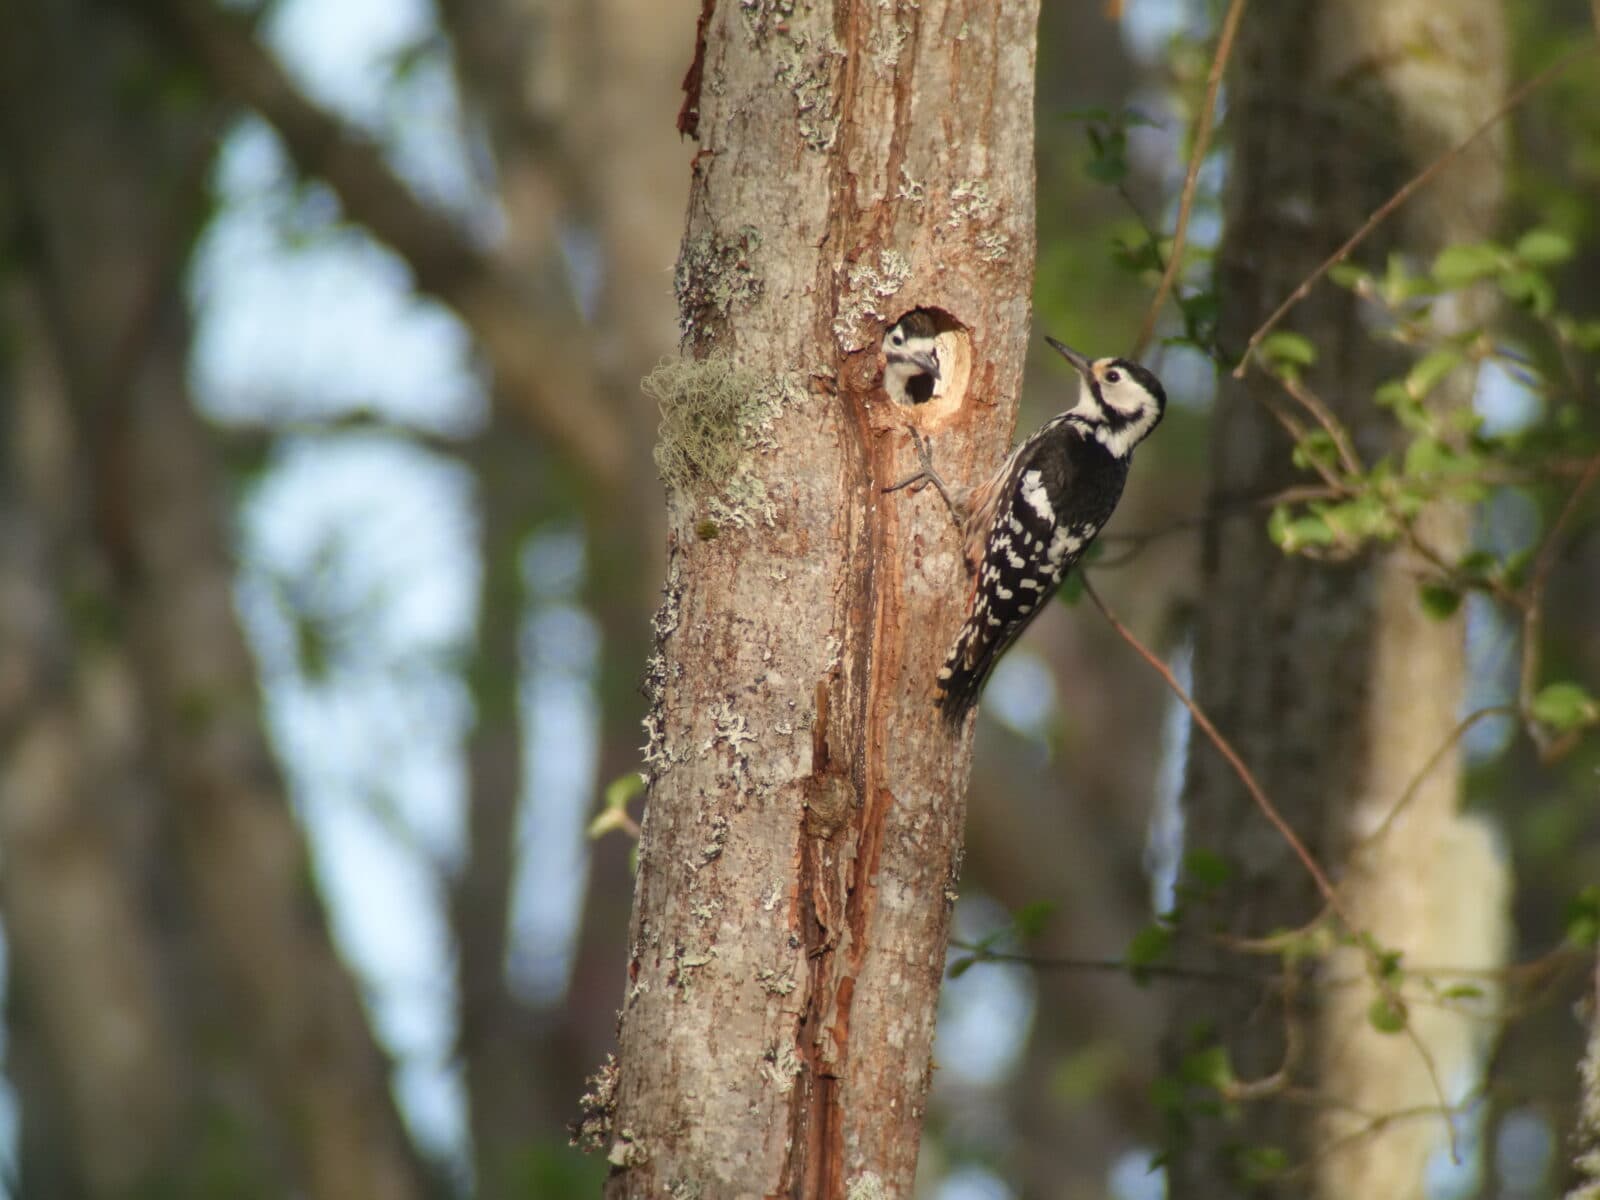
(804, 819)
(1586, 1136)
(1327, 678)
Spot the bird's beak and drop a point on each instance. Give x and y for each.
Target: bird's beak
(926, 362)
(1078, 361)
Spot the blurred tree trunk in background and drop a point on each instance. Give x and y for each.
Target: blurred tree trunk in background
(571, 147)
(576, 163)
(1327, 677)
(140, 755)
(805, 813)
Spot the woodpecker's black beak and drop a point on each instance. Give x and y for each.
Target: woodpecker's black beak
(1078, 361)
(926, 362)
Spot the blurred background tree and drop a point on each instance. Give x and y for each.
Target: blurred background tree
(329, 538)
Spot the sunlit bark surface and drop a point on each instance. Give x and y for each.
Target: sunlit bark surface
(802, 833)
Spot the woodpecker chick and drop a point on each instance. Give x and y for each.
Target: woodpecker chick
(911, 359)
(1033, 519)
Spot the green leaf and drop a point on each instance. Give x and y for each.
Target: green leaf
(1544, 247)
(1391, 394)
(1462, 991)
(1030, 920)
(1315, 447)
(1285, 348)
(1071, 589)
(1262, 1164)
(1439, 601)
(1427, 456)
(1430, 369)
(1457, 266)
(1565, 706)
(1348, 275)
(1109, 168)
(961, 966)
(613, 812)
(1583, 917)
(1531, 290)
(1309, 530)
(1387, 1014)
(1148, 947)
(623, 789)
(1209, 1067)
(1206, 868)
(1201, 308)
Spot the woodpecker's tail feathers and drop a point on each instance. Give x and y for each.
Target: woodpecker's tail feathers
(966, 669)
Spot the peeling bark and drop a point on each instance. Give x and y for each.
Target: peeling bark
(803, 828)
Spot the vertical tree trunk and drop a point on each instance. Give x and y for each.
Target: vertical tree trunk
(1327, 678)
(802, 832)
(1586, 1137)
(109, 182)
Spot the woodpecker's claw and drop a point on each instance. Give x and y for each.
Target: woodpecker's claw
(927, 475)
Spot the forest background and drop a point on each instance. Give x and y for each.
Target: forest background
(330, 537)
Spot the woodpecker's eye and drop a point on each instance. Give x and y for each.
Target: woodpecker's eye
(1113, 376)
(898, 337)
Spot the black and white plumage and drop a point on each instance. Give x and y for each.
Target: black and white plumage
(911, 359)
(1030, 522)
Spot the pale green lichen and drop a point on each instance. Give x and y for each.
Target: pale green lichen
(763, 17)
(802, 63)
(597, 1109)
(866, 287)
(885, 46)
(993, 246)
(714, 272)
(866, 1186)
(809, 78)
(969, 201)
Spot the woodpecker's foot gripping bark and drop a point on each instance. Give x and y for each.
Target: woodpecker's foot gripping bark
(929, 475)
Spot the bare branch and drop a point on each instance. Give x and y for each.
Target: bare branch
(1532, 603)
(1407, 190)
(529, 329)
(1225, 748)
(1197, 155)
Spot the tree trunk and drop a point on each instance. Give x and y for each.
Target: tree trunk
(1586, 1137)
(803, 826)
(110, 172)
(1327, 678)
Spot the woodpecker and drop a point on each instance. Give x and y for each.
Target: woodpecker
(911, 359)
(1026, 526)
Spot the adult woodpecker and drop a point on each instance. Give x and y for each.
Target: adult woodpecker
(1031, 521)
